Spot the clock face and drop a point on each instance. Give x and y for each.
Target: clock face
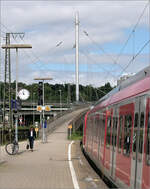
(23, 94)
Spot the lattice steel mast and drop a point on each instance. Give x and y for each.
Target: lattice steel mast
(7, 86)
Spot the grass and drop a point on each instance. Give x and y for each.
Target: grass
(75, 136)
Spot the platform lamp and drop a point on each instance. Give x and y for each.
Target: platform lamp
(16, 46)
(43, 103)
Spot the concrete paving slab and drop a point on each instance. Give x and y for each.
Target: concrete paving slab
(45, 168)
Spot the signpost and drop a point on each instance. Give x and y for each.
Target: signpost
(44, 122)
(70, 128)
(47, 108)
(43, 130)
(39, 108)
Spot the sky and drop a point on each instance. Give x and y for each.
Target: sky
(103, 55)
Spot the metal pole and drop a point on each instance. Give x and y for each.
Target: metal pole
(43, 129)
(16, 117)
(60, 103)
(149, 32)
(59, 100)
(70, 133)
(77, 55)
(16, 73)
(9, 70)
(33, 108)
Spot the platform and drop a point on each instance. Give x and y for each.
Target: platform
(47, 167)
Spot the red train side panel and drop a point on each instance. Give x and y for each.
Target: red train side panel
(123, 162)
(146, 158)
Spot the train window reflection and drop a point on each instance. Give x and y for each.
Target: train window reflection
(120, 133)
(148, 142)
(114, 131)
(135, 131)
(141, 133)
(103, 130)
(108, 132)
(127, 134)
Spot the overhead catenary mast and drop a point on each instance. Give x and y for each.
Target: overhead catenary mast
(77, 54)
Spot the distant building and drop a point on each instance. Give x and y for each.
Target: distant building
(124, 77)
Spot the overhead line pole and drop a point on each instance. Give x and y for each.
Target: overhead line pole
(16, 46)
(77, 54)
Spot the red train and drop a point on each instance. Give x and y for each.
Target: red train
(117, 133)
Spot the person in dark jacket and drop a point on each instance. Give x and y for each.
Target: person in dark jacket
(31, 137)
(127, 143)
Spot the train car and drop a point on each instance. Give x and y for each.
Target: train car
(117, 133)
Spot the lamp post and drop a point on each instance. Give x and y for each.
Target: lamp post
(60, 103)
(43, 119)
(16, 46)
(33, 107)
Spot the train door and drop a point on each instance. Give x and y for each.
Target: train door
(92, 134)
(146, 153)
(138, 142)
(103, 119)
(123, 151)
(107, 148)
(113, 142)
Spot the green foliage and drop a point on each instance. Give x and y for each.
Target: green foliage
(76, 136)
(52, 94)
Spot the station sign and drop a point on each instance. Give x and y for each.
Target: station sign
(36, 129)
(16, 105)
(69, 126)
(39, 108)
(47, 108)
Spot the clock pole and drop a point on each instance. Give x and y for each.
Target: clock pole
(16, 46)
(16, 117)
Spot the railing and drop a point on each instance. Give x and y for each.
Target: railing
(8, 135)
(55, 122)
(52, 124)
(76, 124)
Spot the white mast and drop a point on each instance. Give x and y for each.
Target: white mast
(77, 54)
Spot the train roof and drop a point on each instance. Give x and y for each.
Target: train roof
(130, 83)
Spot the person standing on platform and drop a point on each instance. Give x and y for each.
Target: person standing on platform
(31, 137)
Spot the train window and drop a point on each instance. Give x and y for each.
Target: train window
(135, 131)
(87, 127)
(127, 134)
(101, 125)
(97, 129)
(120, 134)
(148, 142)
(141, 133)
(103, 129)
(114, 132)
(108, 132)
(98, 133)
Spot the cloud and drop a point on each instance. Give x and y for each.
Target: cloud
(47, 23)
